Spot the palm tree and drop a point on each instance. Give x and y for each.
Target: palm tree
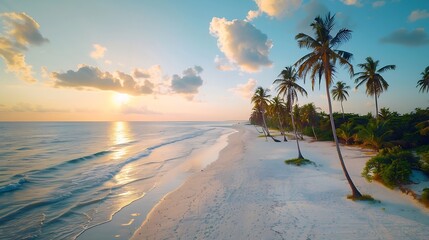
(339, 92)
(310, 116)
(424, 82)
(371, 76)
(261, 100)
(277, 107)
(373, 134)
(346, 132)
(321, 61)
(287, 86)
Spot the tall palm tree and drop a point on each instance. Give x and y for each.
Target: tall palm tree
(339, 92)
(424, 82)
(288, 88)
(321, 61)
(277, 108)
(371, 76)
(261, 101)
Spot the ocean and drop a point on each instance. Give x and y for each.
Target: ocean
(58, 179)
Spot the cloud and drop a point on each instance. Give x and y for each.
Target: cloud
(418, 14)
(377, 4)
(352, 3)
(98, 51)
(223, 64)
(276, 8)
(252, 15)
(245, 90)
(242, 43)
(21, 32)
(87, 77)
(189, 83)
(312, 9)
(417, 37)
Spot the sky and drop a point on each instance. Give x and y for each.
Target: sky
(192, 60)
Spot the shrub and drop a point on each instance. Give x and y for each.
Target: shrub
(424, 162)
(425, 197)
(391, 166)
(299, 161)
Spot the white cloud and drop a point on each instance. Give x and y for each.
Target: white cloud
(242, 43)
(278, 8)
(87, 77)
(352, 2)
(21, 32)
(418, 14)
(377, 4)
(98, 51)
(188, 84)
(29, 107)
(245, 90)
(252, 15)
(223, 64)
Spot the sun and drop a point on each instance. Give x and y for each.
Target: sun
(121, 98)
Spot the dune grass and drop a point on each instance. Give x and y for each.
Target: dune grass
(299, 161)
(364, 197)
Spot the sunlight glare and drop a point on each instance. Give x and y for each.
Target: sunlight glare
(121, 98)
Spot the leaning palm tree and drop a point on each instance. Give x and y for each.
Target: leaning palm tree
(288, 88)
(339, 92)
(261, 100)
(371, 76)
(277, 108)
(321, 61)
(424, 82)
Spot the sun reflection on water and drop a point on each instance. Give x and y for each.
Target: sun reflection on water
(120, 134)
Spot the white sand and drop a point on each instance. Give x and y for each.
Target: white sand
(249, 193)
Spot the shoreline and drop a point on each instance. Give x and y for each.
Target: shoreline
(249, 193)
(128, 219)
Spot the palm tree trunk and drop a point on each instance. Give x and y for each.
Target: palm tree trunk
(355, 191)
(294, 130)
(314, 133)
(266, 128)
(342, 108)
(281, 127)
(376, 107)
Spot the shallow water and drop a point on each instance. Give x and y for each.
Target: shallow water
(58, 179)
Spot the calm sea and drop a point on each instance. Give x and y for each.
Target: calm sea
(58, 179)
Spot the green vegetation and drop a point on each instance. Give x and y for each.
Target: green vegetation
(391, 166)
(391, 134)
(425, 197)
(364, 197)
(299, 161)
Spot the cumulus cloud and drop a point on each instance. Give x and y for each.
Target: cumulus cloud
(252, 15)
(242, 43)
(352, 3)
(418, 14)
(223, 64)
(245, 90)
(87, 77)
(277, 8)
(417, 37)
(377, 4)
(189, 83)
(21, 32)
(98, 51)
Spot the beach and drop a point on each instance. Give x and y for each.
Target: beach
(250, 193)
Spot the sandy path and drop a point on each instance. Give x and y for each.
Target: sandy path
(249, 193)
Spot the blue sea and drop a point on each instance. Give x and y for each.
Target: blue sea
(58, 179)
